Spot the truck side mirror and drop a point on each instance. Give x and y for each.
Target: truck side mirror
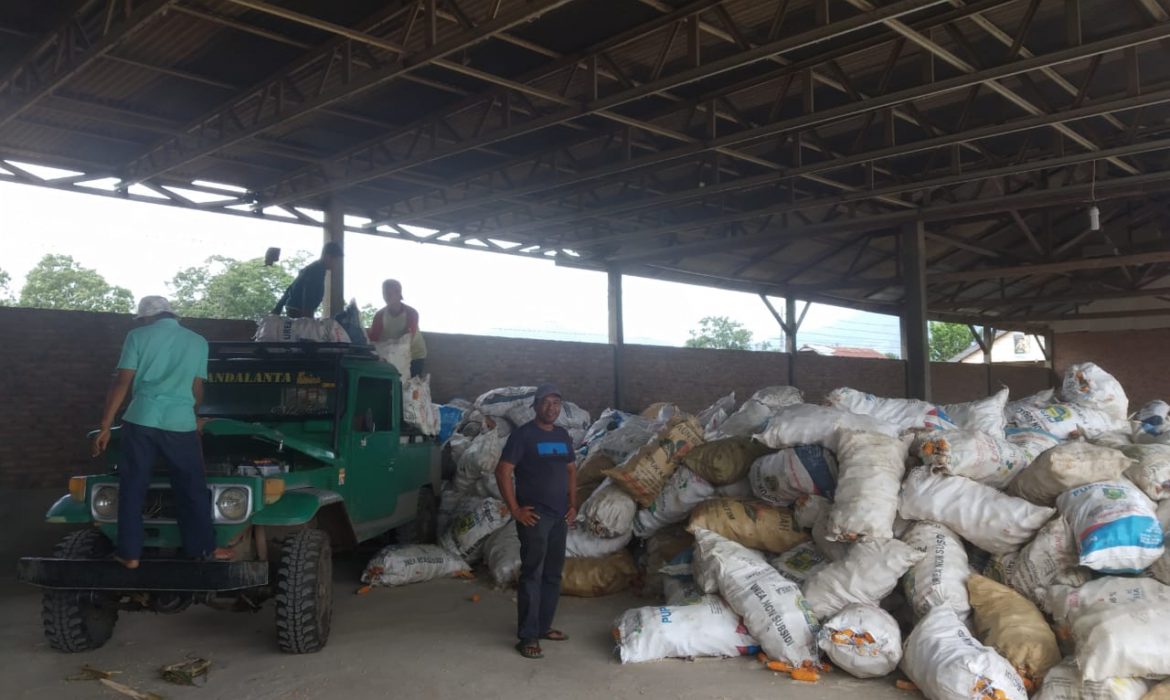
(271, 256)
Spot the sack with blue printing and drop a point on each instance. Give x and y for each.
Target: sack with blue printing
(1160, 569)
(1152, 423)
(1065, 420)
(707, 628)
(1115, 524)
(782, 477)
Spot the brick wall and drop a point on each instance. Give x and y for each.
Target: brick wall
(466, 366)
(58, 365)
(694, 378)
(1136, 358)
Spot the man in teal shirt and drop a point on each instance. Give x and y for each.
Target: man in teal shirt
(163, 366)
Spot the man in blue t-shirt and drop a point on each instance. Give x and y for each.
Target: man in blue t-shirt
(162, 368)
(307, 291)
(539, 454)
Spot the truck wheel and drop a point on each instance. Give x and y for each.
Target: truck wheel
(74, 620)
(424, 528)
(304, 592)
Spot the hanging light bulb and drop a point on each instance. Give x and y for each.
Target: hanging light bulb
(1094, 218)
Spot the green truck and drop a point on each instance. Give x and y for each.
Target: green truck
(306, 453)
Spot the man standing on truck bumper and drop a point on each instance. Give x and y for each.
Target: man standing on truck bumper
(163, 365)
(540, 456)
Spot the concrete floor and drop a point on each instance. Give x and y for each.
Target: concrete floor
(422, 641)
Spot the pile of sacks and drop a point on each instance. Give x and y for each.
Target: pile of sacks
(474, 523)
(987, 549)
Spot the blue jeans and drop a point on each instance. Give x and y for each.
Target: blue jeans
(542, 558)
(141, 447)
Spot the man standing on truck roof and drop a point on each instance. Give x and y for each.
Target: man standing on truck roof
(307, 291)
(396, 320)
(164, 365)
(540, 456)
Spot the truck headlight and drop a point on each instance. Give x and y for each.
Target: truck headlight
(232, 503)
(105, 502)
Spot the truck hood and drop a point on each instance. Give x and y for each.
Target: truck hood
(228, 426)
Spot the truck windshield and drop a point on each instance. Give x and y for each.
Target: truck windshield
(269, 390)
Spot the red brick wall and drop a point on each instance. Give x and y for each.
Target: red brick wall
(956, 382)
(817, 375)
(1136, 358)
(466, 366)
(58, 365)
(694, 378)
(1021, 379)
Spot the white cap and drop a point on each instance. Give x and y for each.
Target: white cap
(153, 306)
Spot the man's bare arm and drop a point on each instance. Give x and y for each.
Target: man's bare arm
(571, 515)
(115, 397)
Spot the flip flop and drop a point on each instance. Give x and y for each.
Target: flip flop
(555, 635)
(128, 563)
(529, 650)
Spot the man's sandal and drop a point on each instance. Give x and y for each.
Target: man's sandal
(529, 650)
(555, 635)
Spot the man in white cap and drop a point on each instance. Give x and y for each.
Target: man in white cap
(163, 366)
(537, 476)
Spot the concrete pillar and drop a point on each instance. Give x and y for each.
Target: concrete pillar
(335, 280)
(915, 334)
(617, 334)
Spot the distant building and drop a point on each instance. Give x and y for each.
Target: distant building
(1008, 346)
(839, 351)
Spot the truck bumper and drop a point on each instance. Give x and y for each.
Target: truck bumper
(178, 575)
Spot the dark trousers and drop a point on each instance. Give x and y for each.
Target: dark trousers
(141, 447)
(542, 558)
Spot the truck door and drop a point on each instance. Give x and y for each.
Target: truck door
(370, 477)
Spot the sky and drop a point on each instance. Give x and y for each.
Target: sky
(141, 246)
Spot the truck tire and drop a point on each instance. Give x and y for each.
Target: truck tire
(304, 592)
(75, 620)
(424, 528)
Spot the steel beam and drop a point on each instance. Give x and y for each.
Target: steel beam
(1074, 298)
(909, 186)
(1150, 96)
(1050, 268)
(96, 27)
(601, 106)
(1130, 186)
(723, 93)
(266, 109)
(834, 114)
(994, 85)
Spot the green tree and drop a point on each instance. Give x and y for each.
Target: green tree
(223, 287)
(60, 282)
(368, 312)
(948, 340)
(5, 292)
(720, 332)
